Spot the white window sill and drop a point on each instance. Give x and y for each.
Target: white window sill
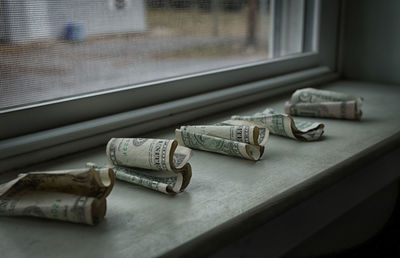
(227, 196)
(52, 143)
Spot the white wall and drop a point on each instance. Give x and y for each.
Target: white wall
(29, 20)
(97, 16)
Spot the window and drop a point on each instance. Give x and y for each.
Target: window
(54, 50)
(66, 62)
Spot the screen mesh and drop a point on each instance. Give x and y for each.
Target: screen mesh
(57, 49)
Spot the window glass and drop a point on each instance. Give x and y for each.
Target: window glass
(55, 49)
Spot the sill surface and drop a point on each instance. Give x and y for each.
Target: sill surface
(224, 191)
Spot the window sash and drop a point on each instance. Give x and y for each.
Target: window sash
(66, 112)
(58, 113)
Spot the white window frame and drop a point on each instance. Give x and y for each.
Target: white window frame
(41, 131)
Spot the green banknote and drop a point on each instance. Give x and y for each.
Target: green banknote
(163, 181)
(77, 195)
(157, 164)
(242, 141)
(281, 124)
(323, 103)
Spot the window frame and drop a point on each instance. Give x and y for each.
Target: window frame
(57, 117)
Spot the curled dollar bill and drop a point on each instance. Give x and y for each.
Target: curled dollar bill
(323, 103)
(281, 124)
(240, 141)
(158, 164)
(163, 181)
(77, 195)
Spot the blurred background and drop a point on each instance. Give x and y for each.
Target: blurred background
(56, 49)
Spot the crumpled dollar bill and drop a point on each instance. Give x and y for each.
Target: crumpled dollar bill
(323, 103)
(244, 141)
(281, 124)
(157, 164)
(76, 195)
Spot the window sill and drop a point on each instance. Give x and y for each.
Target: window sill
(227, 196)
(47, 144)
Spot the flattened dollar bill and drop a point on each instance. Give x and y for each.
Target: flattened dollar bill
(77, 195)
(323, 103)
(242, 141)
(281, 124)
(158, 164)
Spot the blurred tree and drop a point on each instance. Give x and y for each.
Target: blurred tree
(204, 5)
(157, 3)
(233, 5)
(226, 5)
(251, 23)
(180, 4)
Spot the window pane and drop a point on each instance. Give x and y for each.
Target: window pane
(56, 49)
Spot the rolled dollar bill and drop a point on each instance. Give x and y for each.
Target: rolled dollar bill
(246, 134)
(281, 124)
(240, 141)
(153, 154)
(76, 195)
(323, 103)
(163, 181)
(158, 164)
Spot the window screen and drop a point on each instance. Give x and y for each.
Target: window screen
(51, 50)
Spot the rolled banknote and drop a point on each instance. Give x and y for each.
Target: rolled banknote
(246, 134)
(240, 141)
(163, 181)
(76, 195)
(158, 164)
(323, 103)
(153, 154)
(281, 124)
